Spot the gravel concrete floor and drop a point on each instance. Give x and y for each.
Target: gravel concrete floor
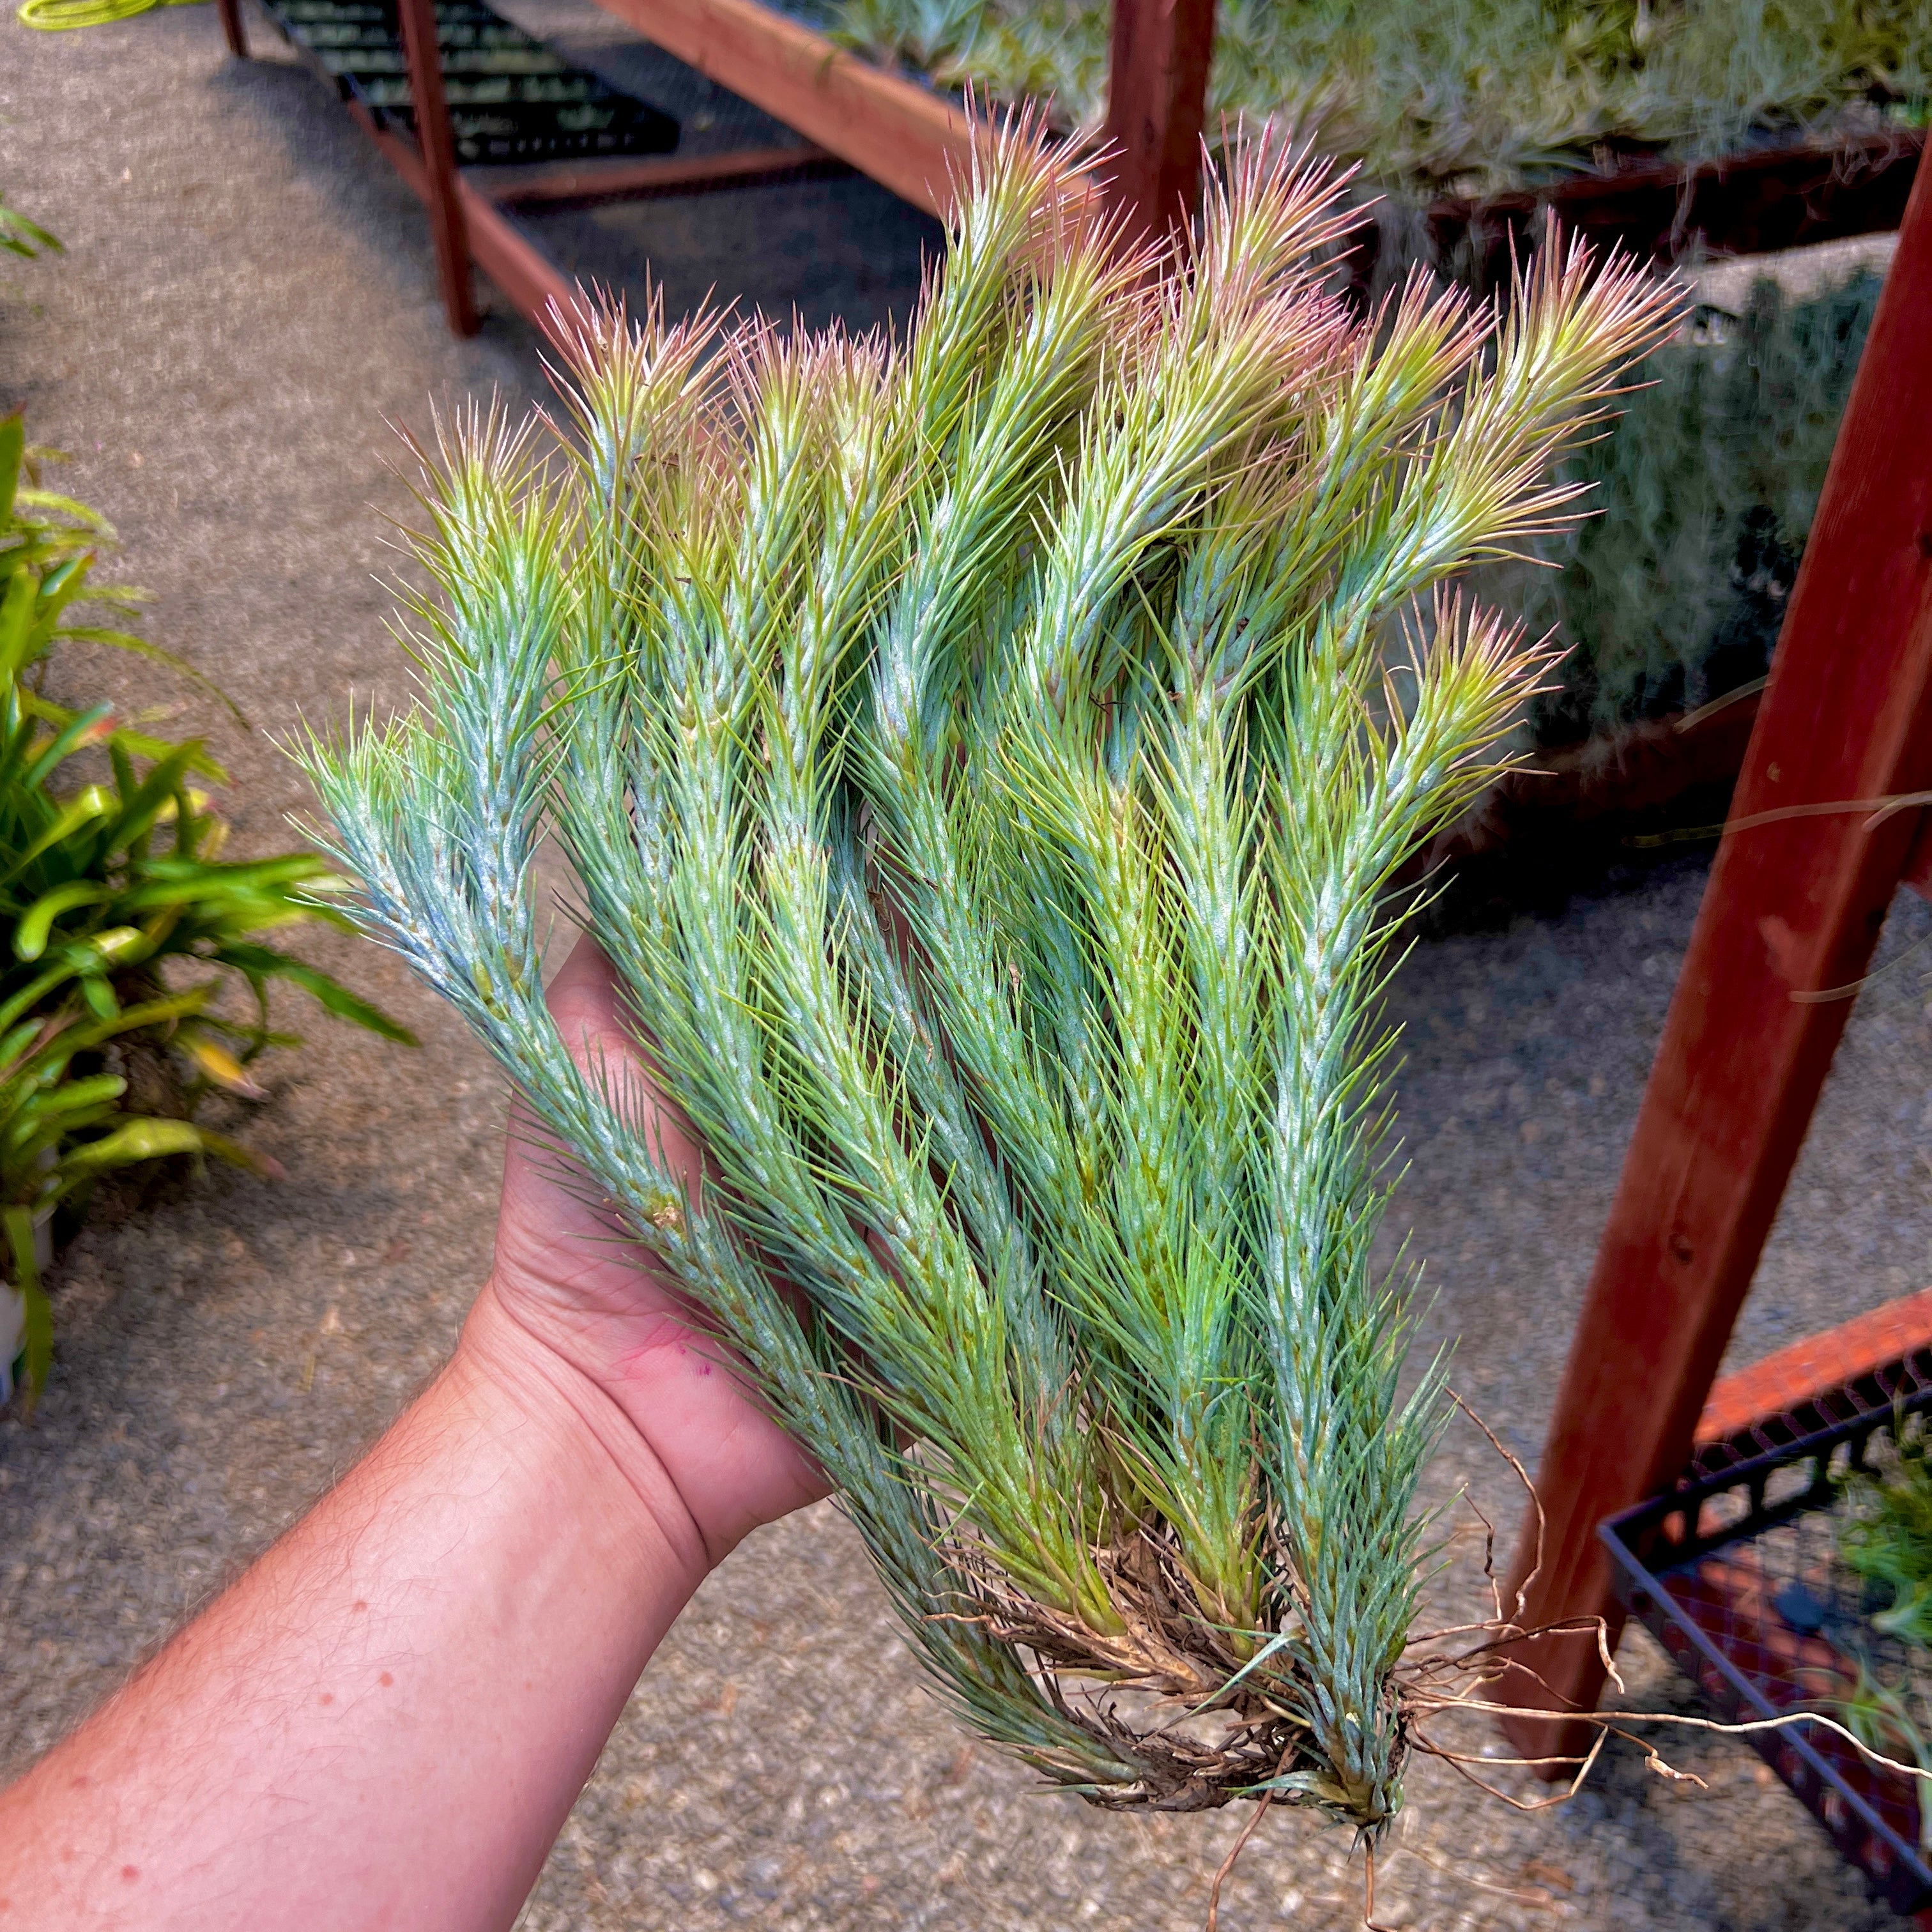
(247, 294)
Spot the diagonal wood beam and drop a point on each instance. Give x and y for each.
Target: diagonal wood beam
(906, 137)
(1792, 910)
(532, 282)
(585, 184)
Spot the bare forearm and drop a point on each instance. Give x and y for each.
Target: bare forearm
(384, 1722)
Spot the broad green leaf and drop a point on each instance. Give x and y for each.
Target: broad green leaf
(330, 994)
(78, 729)
(155, 1015)
(139, 1140)
(140, 646)
(12, 455)
(94, 524)
(76, 1094)
(17, 609)
(88, 805)
(36, 990)
(36, 925)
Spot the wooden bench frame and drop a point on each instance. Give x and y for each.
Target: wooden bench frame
(908, 138)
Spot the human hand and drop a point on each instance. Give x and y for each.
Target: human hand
(436, 1653)
(572, 1298)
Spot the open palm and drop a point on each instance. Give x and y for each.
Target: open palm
(567, 1274)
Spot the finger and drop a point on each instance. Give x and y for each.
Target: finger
(586, 1001)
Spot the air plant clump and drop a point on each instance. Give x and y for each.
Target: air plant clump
(983, 758)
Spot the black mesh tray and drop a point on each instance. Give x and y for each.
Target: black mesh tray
(511, 98)
(1737, 1573)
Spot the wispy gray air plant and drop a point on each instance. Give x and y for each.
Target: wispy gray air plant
(981, 761)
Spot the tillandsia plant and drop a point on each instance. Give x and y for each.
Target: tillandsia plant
(983, 760)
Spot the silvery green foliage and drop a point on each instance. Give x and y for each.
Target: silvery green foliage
(1488, 96)
(981, 761)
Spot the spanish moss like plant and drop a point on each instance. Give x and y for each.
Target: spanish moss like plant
(1674, 594)
(981, 761)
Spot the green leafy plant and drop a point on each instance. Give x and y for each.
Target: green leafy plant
(1483, 97)
(978, 759)
(109, 889)
(49, 546)
(19, 236)
(1886, 1536)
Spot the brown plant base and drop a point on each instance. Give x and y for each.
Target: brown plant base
(1166, 1692)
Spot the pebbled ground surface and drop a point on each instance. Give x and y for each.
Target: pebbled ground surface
(248, 293)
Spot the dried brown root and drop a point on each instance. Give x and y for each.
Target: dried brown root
(1207, 1715)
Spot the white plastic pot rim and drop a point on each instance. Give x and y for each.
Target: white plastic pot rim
(12, 1335)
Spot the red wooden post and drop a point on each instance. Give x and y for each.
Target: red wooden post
(1157, 102)
(233, 29)
(1793, 907)
(905, 136)
(439, 160)
(496, 245)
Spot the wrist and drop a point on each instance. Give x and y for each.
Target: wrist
(594, 1443)
(386, 1720)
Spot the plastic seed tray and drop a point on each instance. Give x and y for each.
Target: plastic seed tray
(1737, 1572)
(511, 99)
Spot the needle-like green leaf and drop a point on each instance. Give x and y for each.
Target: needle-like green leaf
(985, 761)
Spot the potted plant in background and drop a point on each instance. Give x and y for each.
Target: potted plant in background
(134, 976)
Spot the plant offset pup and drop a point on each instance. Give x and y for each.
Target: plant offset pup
(980, 762)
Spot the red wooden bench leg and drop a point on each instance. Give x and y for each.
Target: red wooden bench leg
(1156, 99)
(233, 28)
(1793, 909)
(438, 149)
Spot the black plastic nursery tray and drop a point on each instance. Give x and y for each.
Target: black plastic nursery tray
(1738, 1574)
(511, 98)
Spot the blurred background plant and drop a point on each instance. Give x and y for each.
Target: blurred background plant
(134, 979)
(1885, 1537)
(1671, 595)
(19, 236)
